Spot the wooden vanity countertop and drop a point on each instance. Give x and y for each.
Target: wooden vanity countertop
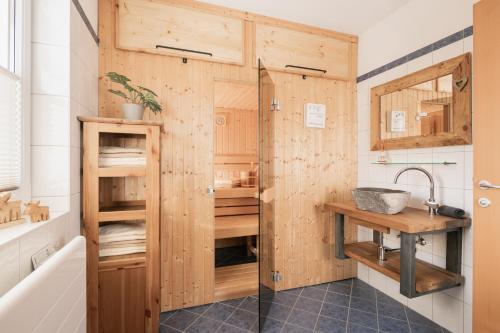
(410, 220)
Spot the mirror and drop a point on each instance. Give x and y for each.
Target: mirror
(429, 108)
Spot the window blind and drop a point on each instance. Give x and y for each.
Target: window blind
(10, 131)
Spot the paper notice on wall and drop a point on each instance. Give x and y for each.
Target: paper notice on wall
(398, 121)
(314, 115)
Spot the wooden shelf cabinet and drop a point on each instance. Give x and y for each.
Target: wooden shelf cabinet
(122, 291)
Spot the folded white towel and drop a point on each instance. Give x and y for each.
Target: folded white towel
(120, 150)
(121, 161)
(122, 251)
(122, 232)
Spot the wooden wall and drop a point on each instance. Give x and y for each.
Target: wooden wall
(312, 166)
(316, 165)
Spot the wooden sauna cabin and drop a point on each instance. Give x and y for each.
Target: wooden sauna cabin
(210, 150)
(236, 186)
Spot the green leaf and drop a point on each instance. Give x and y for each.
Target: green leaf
(148, 90)
(117, 78)
(119, 93)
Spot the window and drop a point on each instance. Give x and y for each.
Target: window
(12, 90)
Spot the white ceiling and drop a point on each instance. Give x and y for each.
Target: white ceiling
(350, 16)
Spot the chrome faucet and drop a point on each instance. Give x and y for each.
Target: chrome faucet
(431, 203)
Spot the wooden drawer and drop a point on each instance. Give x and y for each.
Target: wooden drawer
(147, 25)
(279, 48)
(122, 300)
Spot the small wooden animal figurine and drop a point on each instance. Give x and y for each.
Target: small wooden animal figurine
(36, 212)
(9, 210)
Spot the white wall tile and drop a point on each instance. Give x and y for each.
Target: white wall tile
(49, 119)
(74, 218)
(90, 8)
(48, 19)
(448, 52)
(57, 204)
(9, 262)
(448, 312)
(363, 272)
(49, 171)
(467, 273)
(467, 318)
(50, 70)
(449, 176)
(57, 231)
(469, 173)
(420, 63)
(422, 305)
(377, 280)
(75, 170)
(29, 245)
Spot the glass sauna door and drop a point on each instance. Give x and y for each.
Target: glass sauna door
(267, 275)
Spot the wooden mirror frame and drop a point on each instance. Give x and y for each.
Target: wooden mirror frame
(460, 68)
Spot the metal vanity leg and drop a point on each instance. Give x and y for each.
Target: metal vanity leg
(407, 265)
(339, 237)
(454, 251)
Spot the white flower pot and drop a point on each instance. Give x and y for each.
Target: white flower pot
(132, 111)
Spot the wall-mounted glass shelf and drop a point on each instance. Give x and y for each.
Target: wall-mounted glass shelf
(406, 163)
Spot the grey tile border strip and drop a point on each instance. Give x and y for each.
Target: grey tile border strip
(86, 21)
(418, 53)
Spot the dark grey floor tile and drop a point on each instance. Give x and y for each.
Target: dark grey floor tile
(274, 310)
(357, 283)
(347, 282)
(226, 328)
(165, 315)
(308, 304)
(204, 325)
(294, 291)
(340, 288)
(417, 318)
(391, 325)
(384, 298)
(353, 328)
(363, 304)
(282, 298)
(393, 311)
(199, 309)
(270, 325)
(363, 318)
(250, 304)
(242, 319)
(181, 319)
(334, 311)
(168, 329)
(330, 325)
(323, 286)
(363, 293)
(337, 299)
(219, 311)
(419, 328)
(289, 328)
(314, 293)
(303, 319)
(234, 302)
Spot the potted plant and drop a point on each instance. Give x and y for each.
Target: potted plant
(137, 98)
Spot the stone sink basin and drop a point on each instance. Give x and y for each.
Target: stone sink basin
(380, 200)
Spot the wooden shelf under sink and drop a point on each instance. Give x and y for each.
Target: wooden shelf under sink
(428, 276)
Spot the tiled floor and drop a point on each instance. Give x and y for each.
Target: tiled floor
(343, 306)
